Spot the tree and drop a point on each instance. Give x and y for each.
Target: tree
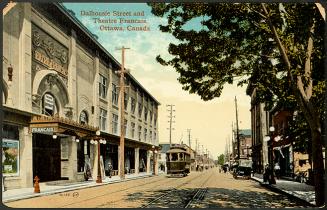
(221, 159)
(279, 48)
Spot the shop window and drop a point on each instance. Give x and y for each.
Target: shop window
(49, 106)
(10, 150)
(83, 118)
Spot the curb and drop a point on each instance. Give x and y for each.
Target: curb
(28, 196)
(275, 189)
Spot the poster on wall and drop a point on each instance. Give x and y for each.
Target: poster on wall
(10, 157)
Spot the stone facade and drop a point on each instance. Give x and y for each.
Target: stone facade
(56, 61)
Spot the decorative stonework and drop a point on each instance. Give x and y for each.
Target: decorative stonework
(48, 53)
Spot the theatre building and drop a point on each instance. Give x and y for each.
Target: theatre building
(60, 87)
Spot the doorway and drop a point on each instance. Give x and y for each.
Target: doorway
(46, 157)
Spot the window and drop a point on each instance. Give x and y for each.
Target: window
(114, 94)
(83, 118)
(145, 133)
(114, 123)
(132, 129)
(140, 132)
(150, 136)
(145, 113)
(103, 119)
(125, 101)
(150, 117)
(133, 104)
(49, 105)
(155, 119)
(125, 127)
(103, 86)
(140, 109)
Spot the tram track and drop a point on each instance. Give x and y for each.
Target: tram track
(158, 183)
(178, 197)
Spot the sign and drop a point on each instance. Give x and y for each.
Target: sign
(42, 130)
(10, 157)
(48, 102)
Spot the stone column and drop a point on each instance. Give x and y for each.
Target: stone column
(72, 159)
(156, 169)
(72, 90)
(148, 158)
(95, 162)
(137, 160)
(26, 158)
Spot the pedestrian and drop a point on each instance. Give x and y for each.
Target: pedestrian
(277, 170)
(110, 169)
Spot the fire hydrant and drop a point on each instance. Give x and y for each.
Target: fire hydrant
(36, 185)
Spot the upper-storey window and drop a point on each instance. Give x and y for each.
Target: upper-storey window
(83, 118)
(114, 94)
(114, 124)
(145, 113)
(103, 85)
(125, 101)
(150, 117)
(103, 119)
(155, 119)
(49, 105)
(140, 110)
(133, 105)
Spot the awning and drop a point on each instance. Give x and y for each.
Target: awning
(60, 125)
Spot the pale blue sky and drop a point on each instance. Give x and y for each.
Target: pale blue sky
(210, 121)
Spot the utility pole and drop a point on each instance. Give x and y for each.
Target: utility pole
(122, 113)
(189, 137)
(237, 131)
(170, 120)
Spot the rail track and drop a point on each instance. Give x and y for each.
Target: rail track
(179, 198)
(133, 187)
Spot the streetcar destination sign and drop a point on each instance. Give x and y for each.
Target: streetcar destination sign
(42, 130)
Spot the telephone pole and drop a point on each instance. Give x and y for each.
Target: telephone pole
(122, 113)
(170, 120)
(237, 132)
(189, 137)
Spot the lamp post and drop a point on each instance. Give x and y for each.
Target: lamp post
(154, 159)
(97, 142)
(269, 139)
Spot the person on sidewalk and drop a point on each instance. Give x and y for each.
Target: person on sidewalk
(277, 170)
(109, 169)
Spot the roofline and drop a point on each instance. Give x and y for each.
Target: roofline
(63, 9)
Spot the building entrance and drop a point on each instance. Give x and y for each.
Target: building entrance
(46, 157)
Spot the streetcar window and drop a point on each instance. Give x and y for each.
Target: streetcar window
(174, 157)
(181, 156)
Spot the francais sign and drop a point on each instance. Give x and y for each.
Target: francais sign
(42, 130)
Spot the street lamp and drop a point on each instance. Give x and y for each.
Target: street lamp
(271, 178)
(99, 178)
(154, 159)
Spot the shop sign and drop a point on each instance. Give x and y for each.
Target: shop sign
(10, 157)
(42, 130)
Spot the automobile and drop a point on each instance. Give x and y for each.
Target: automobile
(243, 169)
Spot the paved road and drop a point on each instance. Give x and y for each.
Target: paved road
(208, 189)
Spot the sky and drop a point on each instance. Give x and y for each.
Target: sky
(210, 121)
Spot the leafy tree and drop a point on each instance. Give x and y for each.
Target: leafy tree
(279, 48)
(221, 159)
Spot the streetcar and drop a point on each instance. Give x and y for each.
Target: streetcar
(178, 161)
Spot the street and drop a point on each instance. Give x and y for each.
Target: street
(208, 189)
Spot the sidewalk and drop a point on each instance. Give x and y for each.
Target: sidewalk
(48, 189)
(294, 189)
